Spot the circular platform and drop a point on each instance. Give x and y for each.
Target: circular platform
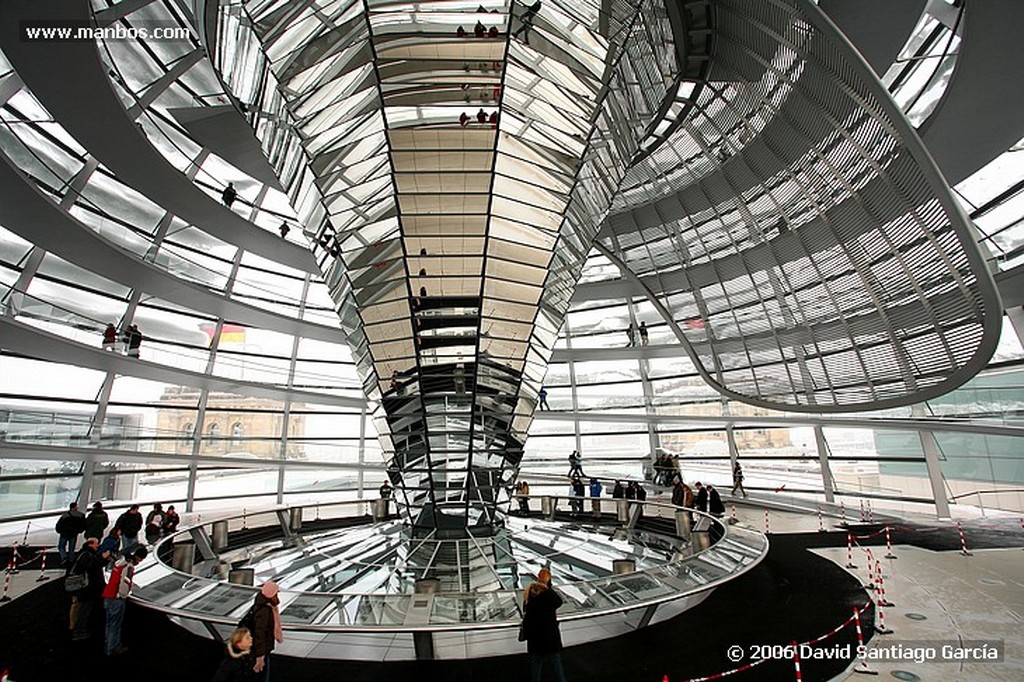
(357, 589)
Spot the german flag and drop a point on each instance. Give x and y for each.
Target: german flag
(229, 333)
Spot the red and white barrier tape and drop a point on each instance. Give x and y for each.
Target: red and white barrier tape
(748, 666)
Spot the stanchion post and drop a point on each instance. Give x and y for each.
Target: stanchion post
(862, 666)
(880, 582)
(821, 523)
(888, 544)
(796, 661)
(7, 584)
(880, 621)
(42, 567)
(963, 540)
(767, 524)
(842, 512)
(849, 551)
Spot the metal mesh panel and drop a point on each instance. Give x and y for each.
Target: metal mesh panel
(808, 250)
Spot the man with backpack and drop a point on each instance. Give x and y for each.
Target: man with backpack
(70, 524)
(115, 594)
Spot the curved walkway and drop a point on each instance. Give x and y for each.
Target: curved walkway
(43, 345)
(27, 451)
(70, 81)
(27, 212)
(911, 425)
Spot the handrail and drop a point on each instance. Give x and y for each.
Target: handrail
(182, 274)
(737, 539)
(77, 322)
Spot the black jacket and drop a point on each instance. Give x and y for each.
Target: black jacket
(91, 564)
(70, 523)
(96, 523)
(540, 623)
(130, 524)
(700, 502)
(236, 666)
(715, 505)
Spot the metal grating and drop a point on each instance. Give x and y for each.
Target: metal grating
(801, 237)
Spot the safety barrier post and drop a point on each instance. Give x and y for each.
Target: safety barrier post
(842, 513)
(849, 551)
(42, 567)
(870, 585)
(862, 666)
(963, 540)
(888, 544)
(821, 524)
(880, 582)
(796, 661)
(7, 584)
(880, 621)
(767, 525)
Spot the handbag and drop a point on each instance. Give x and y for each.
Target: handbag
(522, 631)
(75, 582)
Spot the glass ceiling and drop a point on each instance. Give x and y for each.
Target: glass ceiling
(65, 297)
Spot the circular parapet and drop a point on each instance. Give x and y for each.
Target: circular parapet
(354, 588)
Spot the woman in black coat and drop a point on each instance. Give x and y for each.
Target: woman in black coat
(238, 665)
(540, 625)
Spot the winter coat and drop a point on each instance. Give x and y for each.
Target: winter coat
(262, 627)
(171, 521)
(129, 523)
(95, 523)
(701, 501)
(540, 623)
(120, 583)
(236, 666)
(715, 505)
(682, 496)
(70, 523)
(89, 563)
